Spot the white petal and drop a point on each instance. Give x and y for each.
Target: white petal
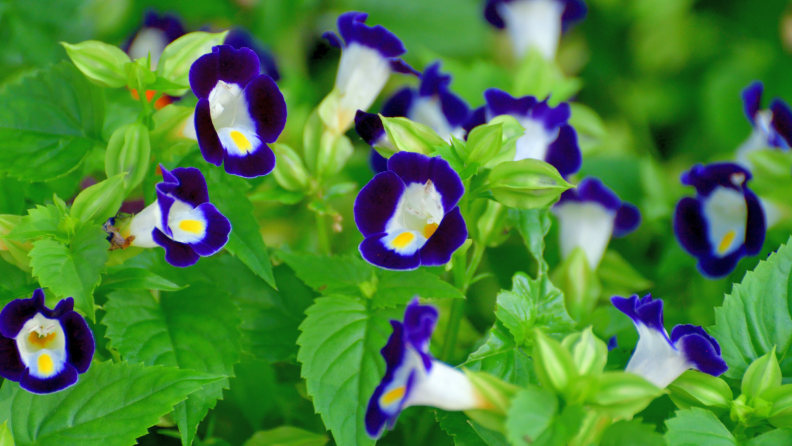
(142, 225)
(32, 349)
(727, 216)
(444, 387)
(188, 131)
(533, 24)
(429, 112)
(655, 359)
(148, 40)
(362, 73)
(535, 141)
(585, 225)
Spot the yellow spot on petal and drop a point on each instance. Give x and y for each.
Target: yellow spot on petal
(726, 242)
(241, 141)
(392, 396)
(430, 229)
(41, 341)
(193, 226)
(45, 364)
(403, 239)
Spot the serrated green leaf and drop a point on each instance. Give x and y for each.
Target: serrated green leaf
(749, 325)
(531, 412)
(340, 353)
(193, 329)
(697, 427)
(533, 304)
(73, 270)
(41, 221)
(632, 433)
(286, 436)
(458, 426)
(330, 275)
(503, 358)
(533, 225)
(111, 405)
(5, 435)
(49, 122)
(396, 288)
(773, 438)
(137, 279)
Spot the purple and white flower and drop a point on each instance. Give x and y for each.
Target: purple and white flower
(548, 136)
(239, 38)
(44, 350)
(369, 56)
(239, 111)
(724, 222)
(589, 216)
(155, 33)
(409, 214)
(772, 128)
(181, 220)
(661, 359)
(413, 377)
(535, 23)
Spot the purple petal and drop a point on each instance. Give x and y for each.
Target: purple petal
(393, 352)
(454, 108)
(612, 343)
(755, 227)
(564, 153)
(419, 324)
(752, 100)
(782, 120)
(378, 162)
(204, 75)
(374, 251)
(418, 168)
(217, 230)
(399, 104)
(592, 190)
(476, 118)
(177, 254)
(703, 351)
(19, 311)
(646, 311)
(253, 164)
(11, 365)
(369, 127)
(236, 66)
(208, 140)
(432, 81)
(61, 308)
(333, 39)
(492, 15)
(64, 379)
(376, 203)
(690, 227)
(706, 178)
(501, 103)
(165, 202)
(185, 183)
(400, 66)
(551, 117)
(448, 237)
(170, 24)
(354, 29)
(574, 12)
(687, 329)
(240, 38)
(628, 218)
(267, 107)
(80, 343)
(714, 267)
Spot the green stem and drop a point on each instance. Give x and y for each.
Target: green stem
(462, 278)
(145, 104)
(321, 232)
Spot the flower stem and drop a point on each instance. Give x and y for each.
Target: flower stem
(462, 278)
(321, 232)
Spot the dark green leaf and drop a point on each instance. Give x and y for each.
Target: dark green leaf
(458, 426)
(773, 438)
(697, 427)
(533, 225)
(501, 357)
(533, 304)
(531, 412)
(286, 436)
(329, 275)
(399, 287)
(137, 279)
(632, 433)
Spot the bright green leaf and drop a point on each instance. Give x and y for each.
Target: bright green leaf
(5, 435)
(99, 202)
(286, 436)
(697, 427)
(533, 225)
(530, 414)
(41, 221)
(101, 63)
(526, 184)
(533, 304)
(399, 287)
(618, 277)
(137, 279)
(773, 438)
(329, 275)
(632, 433)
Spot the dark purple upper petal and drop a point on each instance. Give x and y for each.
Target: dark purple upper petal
(80, 345)
(551, 117)
(782, 121)
(646, 311)
(455, 109)
(564, 153)
(170, 24)
(690, 227)
(449, 236)
(376, 203)
(240, 38)
(11, 365)
(574, 12)
(419, 168)
(492, 15)
(369, 127)
(204, 75)
(628, 218)
(17, 312)
(399, 104)
(225, 64)
(267, 107)
(591, 189)
(501, 103)
(217, 230)
(476, 118)
(185, 183)
(702, 350)
(374, 251)
(353, 28)
(419, 324)
(752, 100)
(177, 254)
(208, 140)
(333, 39)
(433, 81)
(64, 379)
(400, 66)
(706, 178)
(253, 164)
(755, 226)
(378, 162)
(393, 352)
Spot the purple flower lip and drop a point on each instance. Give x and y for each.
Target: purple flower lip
(238, 38)
(775, 124)
(592, 190)
(409, 215)
(548, 136)
(574, 11)
(724, 222)
(44, 350)
(239, 111)
(660, 359)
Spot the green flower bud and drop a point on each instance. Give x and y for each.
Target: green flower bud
(334, 151)
(589, 353)
(101, 63)
(409, 136)
(484, 142)
(289, 170)
(579, 283)
(740, 411)
(12, 251)
(100, 201)
(491, 225)
(554, 366)
(696, 389)
(177, 58)
(497, 396)
(762, 375)
(781, 399)
(139, 75)
(622, 395)
(526, 184)
(129, 153)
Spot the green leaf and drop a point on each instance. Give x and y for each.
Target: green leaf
(193, 329)
(101, 63)
(340, 352)
(457, 425)
(632, 433)
(396, 288)
(749, 325)
(41, 221)
(773, 438)
(536, 76)
(533, 304)
(621, 395)
(137, 279)
(99, 202)
(5, 435)
(533, 225)
(48, 123)
(531, 412)
(697, 427)
(73, 270)
(503, 358)
(330, 275)
(111, 405)
(580, 284)
(526, 184)
(286, 436)
(484, 142)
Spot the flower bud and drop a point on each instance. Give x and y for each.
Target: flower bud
(622, 395)
(497, 396)
(12, 251)
(129, 153)
(100, 201)
(177, 58)
(740, 411)
(696, 389)
(589, 353)
(289, 170)
(101, 63)
(579, 283)
(554, 366)
(409, 136)
(781, 399)
(762, 375)
(334, 151)
(491, 225)
(171, 126)
(484, 142)
(526, 184)
(139, 75)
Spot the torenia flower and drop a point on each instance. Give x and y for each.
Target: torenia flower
(369, 55)
(409, 213)
(181, 220)
(239, 111)
(239, 38)
(535, 23)
(772, 128)
(43, 350)
(590, 215)
(660, 359)
(413, 377)
(154, 34)
(548, 136)
(724, 222)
